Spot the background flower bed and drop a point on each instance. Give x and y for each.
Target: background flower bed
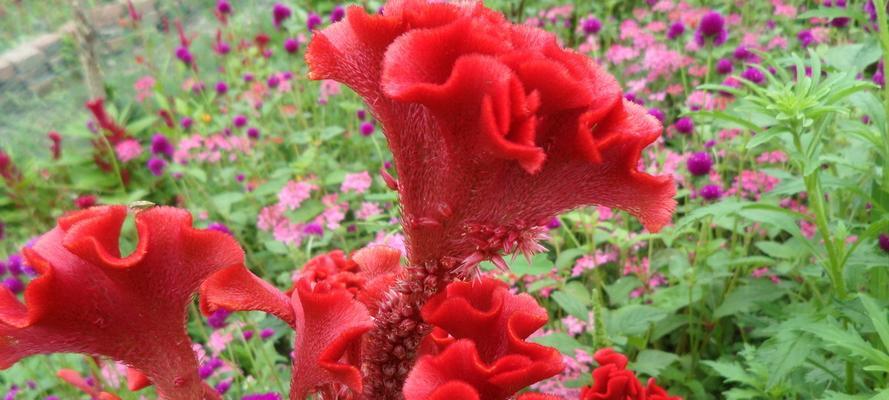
(737, 299)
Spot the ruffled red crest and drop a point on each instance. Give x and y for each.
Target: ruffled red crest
(89, 299)
(612, 381)
(328, 310)
(504, 130)
(480, 332)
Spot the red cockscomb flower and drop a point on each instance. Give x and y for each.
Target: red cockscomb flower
(116, 133)
(328, 309)
(497, 135)
(612, 381)
(480, 329)
(90, 299)
(56, 146)
(491, 139)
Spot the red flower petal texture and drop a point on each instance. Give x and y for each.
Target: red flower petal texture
(488, 326)
(328, 310)
(89, 299)
(611, 381)
(503, 130)
(459, 370)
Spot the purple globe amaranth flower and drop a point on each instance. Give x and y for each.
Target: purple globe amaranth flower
(753, 75)
(366, 128)
(161, 146)
(184, 55)
(676, 30)
(2, 268)
(871, 9)
(248, 77)
(205, 371)
(710, 192)
(684, 125)
(253, 132)
(222, 48)
(239, 120)
(699, 163)
(724, 66)
(291, 45)
(280, 13)
(805, 37)
(743, 53)
(248, 335)
(221, 88)
(711, 29)
(219, 227)
(223, 386)
(156, 166)
(14, 284)
(884, 242)
(14, 264)
(273, 81)
(337, 14)
(262, 396)
(591, 26)
(186, 123)
(224, 7)
(217, 320)
(554, 223)
(361, 114)
(266, 333)
(313, 21)
(313, 228)
(657, 113)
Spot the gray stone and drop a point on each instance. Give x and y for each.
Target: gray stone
(27, 60)
(7, 70)
(48, 43)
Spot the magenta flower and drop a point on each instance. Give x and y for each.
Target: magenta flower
(699, 163)
(366, 128)
(711, 30)
(591, 26)
(156, 166)
(161, 146)
(753, 75)
(280, 13)
(684, 125)
(313, 20)
(724, 67)
(676, 30)
(291, 45)
(710, 192)
(224, 7)
(337, 14)
(239, 120)
(884, 242)
(184, 55)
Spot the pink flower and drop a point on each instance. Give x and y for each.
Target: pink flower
(294, 193)
(368, 210)
(328, 88)
(144, 87)
(357, 182)
(573, 325)
(128, 150)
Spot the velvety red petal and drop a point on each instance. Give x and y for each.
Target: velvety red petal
(74, 378)
(497, 321)
(237, 289)
(379, 266)
(90, 299)
(136, 380)
(459, 366)
(329, 326)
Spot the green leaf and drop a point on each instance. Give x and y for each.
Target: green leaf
(877, 317)
(785, 352)
(539, 264)
(652, 362)
(850, 341)
(566, 257)
(275, 247)
(561, 341)
(745, 298)
(571, 304)
(779, 250)
(853, 57)
(224, 201)
(634, 319)
(732, 372)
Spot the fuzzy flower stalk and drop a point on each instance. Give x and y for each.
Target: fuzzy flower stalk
(490, 141)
